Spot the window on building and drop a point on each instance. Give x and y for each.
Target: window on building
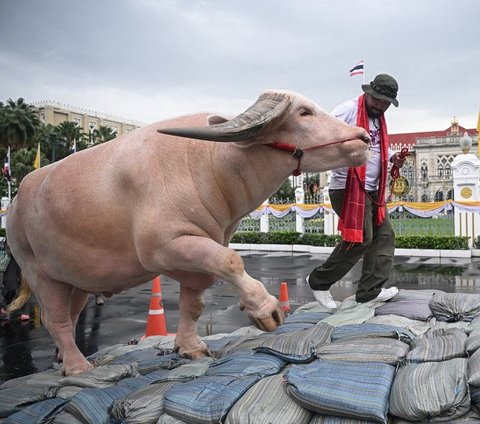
(439, 196)
(424, 170)
(424, 198)
(440, 171)
(408, 171)
(448, 171)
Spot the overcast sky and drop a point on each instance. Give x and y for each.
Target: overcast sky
(149, 60)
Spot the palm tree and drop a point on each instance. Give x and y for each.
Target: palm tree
(71, 133)
(103, 134)
(23, 163)
(19, 123)
(53, 144)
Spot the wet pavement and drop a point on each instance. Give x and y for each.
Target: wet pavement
(26, 347)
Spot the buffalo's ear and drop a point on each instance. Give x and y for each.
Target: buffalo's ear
(216, 119)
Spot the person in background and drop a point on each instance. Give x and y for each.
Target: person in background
(357, 196)
(11, 279)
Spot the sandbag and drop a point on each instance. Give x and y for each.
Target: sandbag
(413, 304)
(216, 345)
(168, 419)
(475, 399)
(15, 398)
(246, 363)
(292, 326)
(103, 376)
(65, 418)
(417, 328)
(247, 343)
(437, 391)
(365, 330)
(312, 307)
(474, 369)
(473, 341)
(438, 345)
(385, 350)
(37, 413)
(350, 313)
(311, 317)
(322, 419)
(267, 402)
(300, 346)
(451, 307)
(207, 399)
(143, 406)
(345, 389)
(185, 372)
(90, 406)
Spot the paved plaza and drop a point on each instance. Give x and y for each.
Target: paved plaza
(28, 348)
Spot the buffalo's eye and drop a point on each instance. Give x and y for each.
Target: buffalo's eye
(306, 111)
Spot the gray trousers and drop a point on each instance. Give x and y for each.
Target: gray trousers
(377, 249)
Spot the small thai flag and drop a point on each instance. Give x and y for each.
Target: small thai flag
(358, 69)
(6, 171)
(6, 167)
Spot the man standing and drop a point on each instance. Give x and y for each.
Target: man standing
(358, 197)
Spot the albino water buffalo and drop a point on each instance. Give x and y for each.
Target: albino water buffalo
(161, 200)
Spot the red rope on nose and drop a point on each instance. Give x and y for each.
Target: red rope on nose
(297, 152)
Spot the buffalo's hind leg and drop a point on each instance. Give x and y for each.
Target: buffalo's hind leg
(60, 304)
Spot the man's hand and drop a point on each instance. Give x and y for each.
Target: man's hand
(398, 160)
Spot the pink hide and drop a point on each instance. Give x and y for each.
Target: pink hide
(118, 214)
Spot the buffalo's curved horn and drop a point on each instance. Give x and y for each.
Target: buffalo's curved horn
(270, 110)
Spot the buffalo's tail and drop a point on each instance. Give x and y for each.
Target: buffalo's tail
(22, 296)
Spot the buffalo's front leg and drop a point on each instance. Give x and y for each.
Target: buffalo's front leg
(199, 254)
(187, 342)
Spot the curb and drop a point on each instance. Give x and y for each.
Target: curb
(291, 248)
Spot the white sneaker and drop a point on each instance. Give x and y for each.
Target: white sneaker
(324, 297)
(387, 294)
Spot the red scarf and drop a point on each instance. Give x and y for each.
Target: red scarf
(351, 219)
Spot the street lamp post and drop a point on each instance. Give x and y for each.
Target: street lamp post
(465, 143)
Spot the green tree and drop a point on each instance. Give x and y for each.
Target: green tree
(285, 192)
(22, 163)
(18, 124)
(103, 134)
(70, 133)
(53, 145)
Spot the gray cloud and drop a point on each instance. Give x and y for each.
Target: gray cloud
(151, 59)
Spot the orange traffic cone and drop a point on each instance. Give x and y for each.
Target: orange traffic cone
(283, 299)
(156, 325)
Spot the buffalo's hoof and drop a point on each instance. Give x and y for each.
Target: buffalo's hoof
(269, 322)
(196, 353)
(77, 369)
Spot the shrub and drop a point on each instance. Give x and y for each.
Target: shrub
(406, 242)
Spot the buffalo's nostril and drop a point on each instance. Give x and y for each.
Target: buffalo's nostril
(365, 138)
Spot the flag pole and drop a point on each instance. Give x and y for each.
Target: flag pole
(9, 183)
(36, 163)
(364, 71)
(478, 134)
